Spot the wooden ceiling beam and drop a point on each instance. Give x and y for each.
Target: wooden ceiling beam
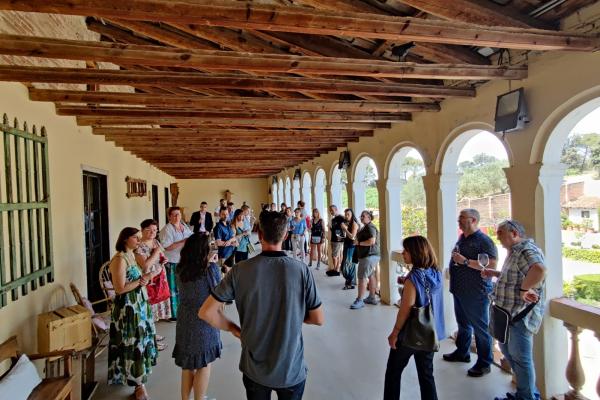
(270, 133)
(227, 103)
(187, 122)
(438, 53)
(213, 60)
(481, 12)
(135, 113)
(153, 79)
(302, 20)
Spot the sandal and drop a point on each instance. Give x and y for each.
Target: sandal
(161, 346)
(159, 338)
(140, 393)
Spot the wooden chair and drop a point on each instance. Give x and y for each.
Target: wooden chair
(100, 321)
(52, 387)
(106, 281)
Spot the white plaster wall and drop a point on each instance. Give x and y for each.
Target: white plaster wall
(71, 149)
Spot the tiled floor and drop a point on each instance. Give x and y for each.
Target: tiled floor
(346, 359)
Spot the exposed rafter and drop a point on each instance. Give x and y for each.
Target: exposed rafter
(211, 60)
(302, 20)
(198, 80)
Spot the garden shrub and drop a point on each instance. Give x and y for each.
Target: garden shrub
(589, 255)
(587, 286)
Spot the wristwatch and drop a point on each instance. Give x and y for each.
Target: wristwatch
(466, 262)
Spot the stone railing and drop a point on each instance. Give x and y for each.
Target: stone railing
(576, 317)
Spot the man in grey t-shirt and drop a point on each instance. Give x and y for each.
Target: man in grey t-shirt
(274, 294)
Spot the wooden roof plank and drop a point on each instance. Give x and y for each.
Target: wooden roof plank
(227, 102)
(214, 81)
(303, 20)
(213, 60)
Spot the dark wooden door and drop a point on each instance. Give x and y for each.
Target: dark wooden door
(166, 205)
(95, 214)
(155, 202)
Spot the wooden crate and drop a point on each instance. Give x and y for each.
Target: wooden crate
(65, 328)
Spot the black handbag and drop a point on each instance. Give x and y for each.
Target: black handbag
(501, 321)
(419, 329)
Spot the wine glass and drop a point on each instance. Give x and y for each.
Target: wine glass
(483, 259)
(456, 249)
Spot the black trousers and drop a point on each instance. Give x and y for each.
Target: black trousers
(240, 256)
(256, 391)
(397, 361)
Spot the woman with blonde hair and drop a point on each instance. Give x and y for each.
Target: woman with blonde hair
(316, 237)
(422, 285)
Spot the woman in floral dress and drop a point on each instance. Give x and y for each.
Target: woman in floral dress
(150, 256)
(132, 343)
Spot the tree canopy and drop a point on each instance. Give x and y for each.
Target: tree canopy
(581, 153)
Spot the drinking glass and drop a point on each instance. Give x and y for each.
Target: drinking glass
(456, 249)
(483, 259)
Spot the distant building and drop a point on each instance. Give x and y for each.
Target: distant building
(580, 200)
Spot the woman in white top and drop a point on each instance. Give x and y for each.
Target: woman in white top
(172, 237)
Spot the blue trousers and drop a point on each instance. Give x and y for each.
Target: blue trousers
(348, 267)
(519, 353)
(473, 316)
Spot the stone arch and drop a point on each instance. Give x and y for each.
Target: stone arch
(319, 192)
(307, 196)
(359, 187)
(394, 184)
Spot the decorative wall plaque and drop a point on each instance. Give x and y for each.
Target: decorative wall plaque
(135, 187)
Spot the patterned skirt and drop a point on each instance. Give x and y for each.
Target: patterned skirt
(132, 342)
(172, 279)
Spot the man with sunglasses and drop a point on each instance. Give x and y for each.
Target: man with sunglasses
(520, 282)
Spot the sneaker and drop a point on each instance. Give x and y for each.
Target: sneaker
(358, 303)
(309, 264)
(453, 357)
(477, 371)
(372, 300)
(318, 267)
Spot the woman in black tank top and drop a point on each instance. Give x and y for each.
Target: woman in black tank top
(316, 237)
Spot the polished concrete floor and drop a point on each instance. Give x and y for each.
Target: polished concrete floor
(346, 359)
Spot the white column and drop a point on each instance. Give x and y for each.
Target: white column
(550, 344)
(447, 200)
(393, 196)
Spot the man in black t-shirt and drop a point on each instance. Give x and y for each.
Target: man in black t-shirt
(471, 293)
(336, 239)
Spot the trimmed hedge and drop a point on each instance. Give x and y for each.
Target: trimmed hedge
(588, 255)
(584, 287)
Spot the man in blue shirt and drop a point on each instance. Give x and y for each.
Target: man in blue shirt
(225, 240)
(471, 293)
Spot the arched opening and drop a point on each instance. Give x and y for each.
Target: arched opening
(307, 190)
(405, 196)
(288, 191)
(570, 189)
(321, 193)
(280, 195)
(339, 192)
(274, 193)
(295, 192)
(471, 177)
(364, 188)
